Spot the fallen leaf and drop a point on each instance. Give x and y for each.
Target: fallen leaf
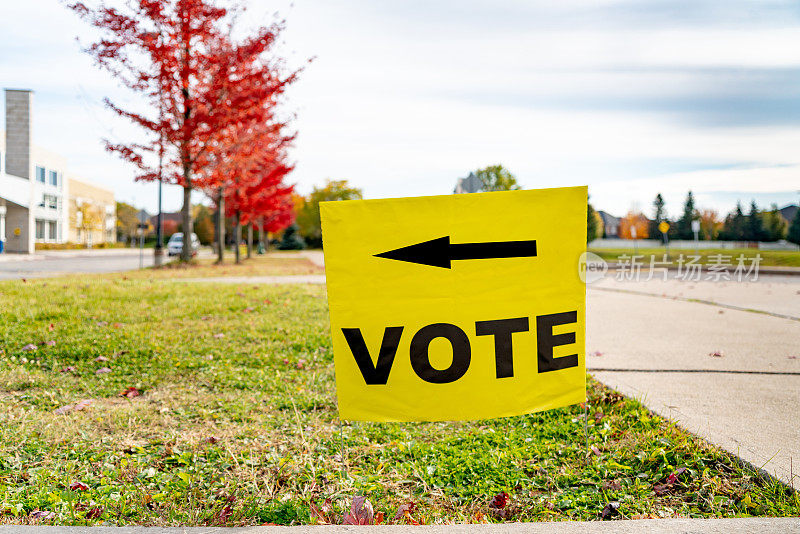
(101, 359)
(321, 514)
(596, 353)
(499, 501)
(267, 301)
(612, 485)
(596, 451)
(29, 347)
(41, 514)
(378, 518)
(102, 371)
(404, 513)
(51, 327)
(77, 407)
(118, 325)
(50, 343)
(716, 354)
(610, 510)
(247, 310)
(360, 512)
(301, 364)
(130, 393)
(102, 323)
(94, 513)
(219, 336)
(78, 486)
(212, 439)
(68, 369)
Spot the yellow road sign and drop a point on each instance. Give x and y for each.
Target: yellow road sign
(663, 227)
(457, 307)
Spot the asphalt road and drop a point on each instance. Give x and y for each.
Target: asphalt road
(46, 264)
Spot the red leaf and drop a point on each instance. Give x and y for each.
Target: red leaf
(94, 513)
(68, 369)
(51, 327)
(360, 512)
(103, 371)
(499, 501)
(29, 347)
(41, 514)
(130, 393)
(78, 486)
(77, 407)
(101, 359)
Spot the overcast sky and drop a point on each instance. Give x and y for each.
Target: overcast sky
(403, 97)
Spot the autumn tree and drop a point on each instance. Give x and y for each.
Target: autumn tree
(176, 55)
(497, 178)
(710, 225)
(774, 225)
(127, 220)
(308, 218)
(633, 220)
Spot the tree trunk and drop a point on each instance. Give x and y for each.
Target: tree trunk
(249, 240)
(237, 238)
(186, 250)
(261, 244)
(220, 226)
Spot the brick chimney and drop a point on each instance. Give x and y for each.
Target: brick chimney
(18, 132)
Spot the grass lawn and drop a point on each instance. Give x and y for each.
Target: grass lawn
(769, 258)
(236, 424)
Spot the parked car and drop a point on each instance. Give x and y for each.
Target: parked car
(175, 244)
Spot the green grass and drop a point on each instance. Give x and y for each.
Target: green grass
(769, 258)
(242, 428)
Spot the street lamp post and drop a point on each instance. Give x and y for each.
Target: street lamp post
(158, 250)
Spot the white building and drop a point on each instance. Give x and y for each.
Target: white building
(34, 190)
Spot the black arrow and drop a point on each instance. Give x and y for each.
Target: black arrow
(440, 252)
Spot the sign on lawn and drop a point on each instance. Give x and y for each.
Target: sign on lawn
(457, 307)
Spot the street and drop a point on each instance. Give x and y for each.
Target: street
(48, 263)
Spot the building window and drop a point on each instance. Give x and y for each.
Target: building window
(54, 178)
(40, 174)
(39, 229)
(52, 202)
(52, 231)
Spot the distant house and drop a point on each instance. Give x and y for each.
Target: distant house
(610, 224)
(788, 213)
(470, 184)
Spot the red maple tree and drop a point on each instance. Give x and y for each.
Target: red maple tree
(198, 85)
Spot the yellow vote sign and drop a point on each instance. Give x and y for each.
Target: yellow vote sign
(663, 227)
(457, 307)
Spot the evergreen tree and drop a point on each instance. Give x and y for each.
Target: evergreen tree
(659, 214)
(734, 227)
(291, 239)
(754, 229)
(684, 225)
(794, 229)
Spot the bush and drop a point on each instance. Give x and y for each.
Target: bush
(291, 239)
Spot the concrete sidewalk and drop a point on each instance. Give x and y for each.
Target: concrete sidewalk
(642, 526)
(729, 376)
